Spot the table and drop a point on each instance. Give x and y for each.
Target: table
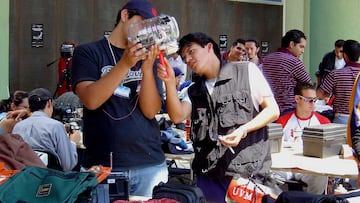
(294, 161)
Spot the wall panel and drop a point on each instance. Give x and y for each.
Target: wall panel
(86, 20)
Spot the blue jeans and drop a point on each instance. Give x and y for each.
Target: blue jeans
(143, 180)
(342, 119)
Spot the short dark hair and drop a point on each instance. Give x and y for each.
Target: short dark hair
(303, 86)
(292, 35)
(339, 43)
(201, 39)
(36, 106)
(131, 14)
(38, 99)
(352, 49)
(238, 41)
(254, 41)
(18, 96)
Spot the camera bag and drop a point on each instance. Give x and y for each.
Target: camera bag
(35, 184)
(183, 193)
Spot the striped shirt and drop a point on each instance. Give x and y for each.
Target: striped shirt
(339, 83)
(283, 71)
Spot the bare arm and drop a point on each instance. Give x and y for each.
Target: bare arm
(19, 114)
(270, 112)
(149, 98)
(177, 110)
(7, 124)
(321, 94)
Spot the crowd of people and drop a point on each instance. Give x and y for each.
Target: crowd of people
(230, 100)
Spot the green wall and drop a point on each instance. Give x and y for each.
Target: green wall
(331, 20)
(297, 16)
(4, 48)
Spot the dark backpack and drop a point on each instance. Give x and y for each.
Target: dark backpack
(183, 193)
(303, 197)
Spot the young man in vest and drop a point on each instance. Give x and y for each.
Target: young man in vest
(229, 107)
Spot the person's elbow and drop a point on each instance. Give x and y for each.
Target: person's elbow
(149, 110)
(150, 114)
(180, 113)
(179, 116)
(320, 94)
(177, 119)
(86, 96)
(272, 108)
(275, 112)
(90, 104)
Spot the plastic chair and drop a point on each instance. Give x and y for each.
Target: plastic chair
(49, 159)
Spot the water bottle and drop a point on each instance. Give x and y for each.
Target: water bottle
(161, 30)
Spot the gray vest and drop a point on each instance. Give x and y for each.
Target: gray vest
(229, 107)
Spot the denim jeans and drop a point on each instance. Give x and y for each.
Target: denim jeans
(143, 180)
(342, 119)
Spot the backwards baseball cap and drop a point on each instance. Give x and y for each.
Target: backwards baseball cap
(177, 72)
(143, 7)
(39, 94)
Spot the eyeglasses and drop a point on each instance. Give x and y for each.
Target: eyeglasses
(308, 100)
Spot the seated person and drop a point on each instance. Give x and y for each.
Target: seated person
(17, 100)
(17, 104)
(293, 124)
(46, 134)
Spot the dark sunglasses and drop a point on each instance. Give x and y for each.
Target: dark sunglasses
(308, 100)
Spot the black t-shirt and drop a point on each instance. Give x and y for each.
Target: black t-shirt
(118, 126)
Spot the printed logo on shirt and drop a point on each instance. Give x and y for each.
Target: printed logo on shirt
(105, 70)
(131, 76)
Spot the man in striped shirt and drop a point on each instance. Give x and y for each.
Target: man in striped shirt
(339, 82)
(283, 69)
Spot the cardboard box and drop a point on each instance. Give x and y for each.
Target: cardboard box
(323, 140)
(326, 130)
(275, 143)
(322, 148)
(275, 134)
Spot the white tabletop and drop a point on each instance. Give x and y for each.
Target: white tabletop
(334, 166)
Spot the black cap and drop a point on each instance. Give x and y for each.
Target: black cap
(143, 7)
(177, 71)
(39, 94)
